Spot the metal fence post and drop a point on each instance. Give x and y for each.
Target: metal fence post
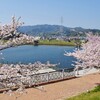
(47, 76)
(62, 73)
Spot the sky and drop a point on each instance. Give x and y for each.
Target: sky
(75, 13)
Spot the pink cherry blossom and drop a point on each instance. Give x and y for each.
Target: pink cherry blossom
(89, 54)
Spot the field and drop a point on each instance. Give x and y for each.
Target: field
(56, 42)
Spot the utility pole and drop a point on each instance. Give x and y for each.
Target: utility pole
(61, 26)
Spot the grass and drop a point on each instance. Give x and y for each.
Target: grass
(56, 42)
(51, 42)
(91, 95)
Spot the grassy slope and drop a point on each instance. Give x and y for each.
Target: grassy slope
(56, 42)
(91, 95)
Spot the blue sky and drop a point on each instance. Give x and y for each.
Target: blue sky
(83, 13)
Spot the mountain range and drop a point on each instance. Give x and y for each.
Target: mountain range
(55, 30)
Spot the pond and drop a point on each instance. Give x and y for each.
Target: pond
(43, 53)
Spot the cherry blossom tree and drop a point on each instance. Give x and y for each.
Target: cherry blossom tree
(12, 27)
(88, 56)
(21, 75)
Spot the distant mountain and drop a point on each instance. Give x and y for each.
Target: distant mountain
(55, 30)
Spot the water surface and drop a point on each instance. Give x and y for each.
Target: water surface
(43, 53)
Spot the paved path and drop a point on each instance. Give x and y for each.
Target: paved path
(86, 72)
(57, 91)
